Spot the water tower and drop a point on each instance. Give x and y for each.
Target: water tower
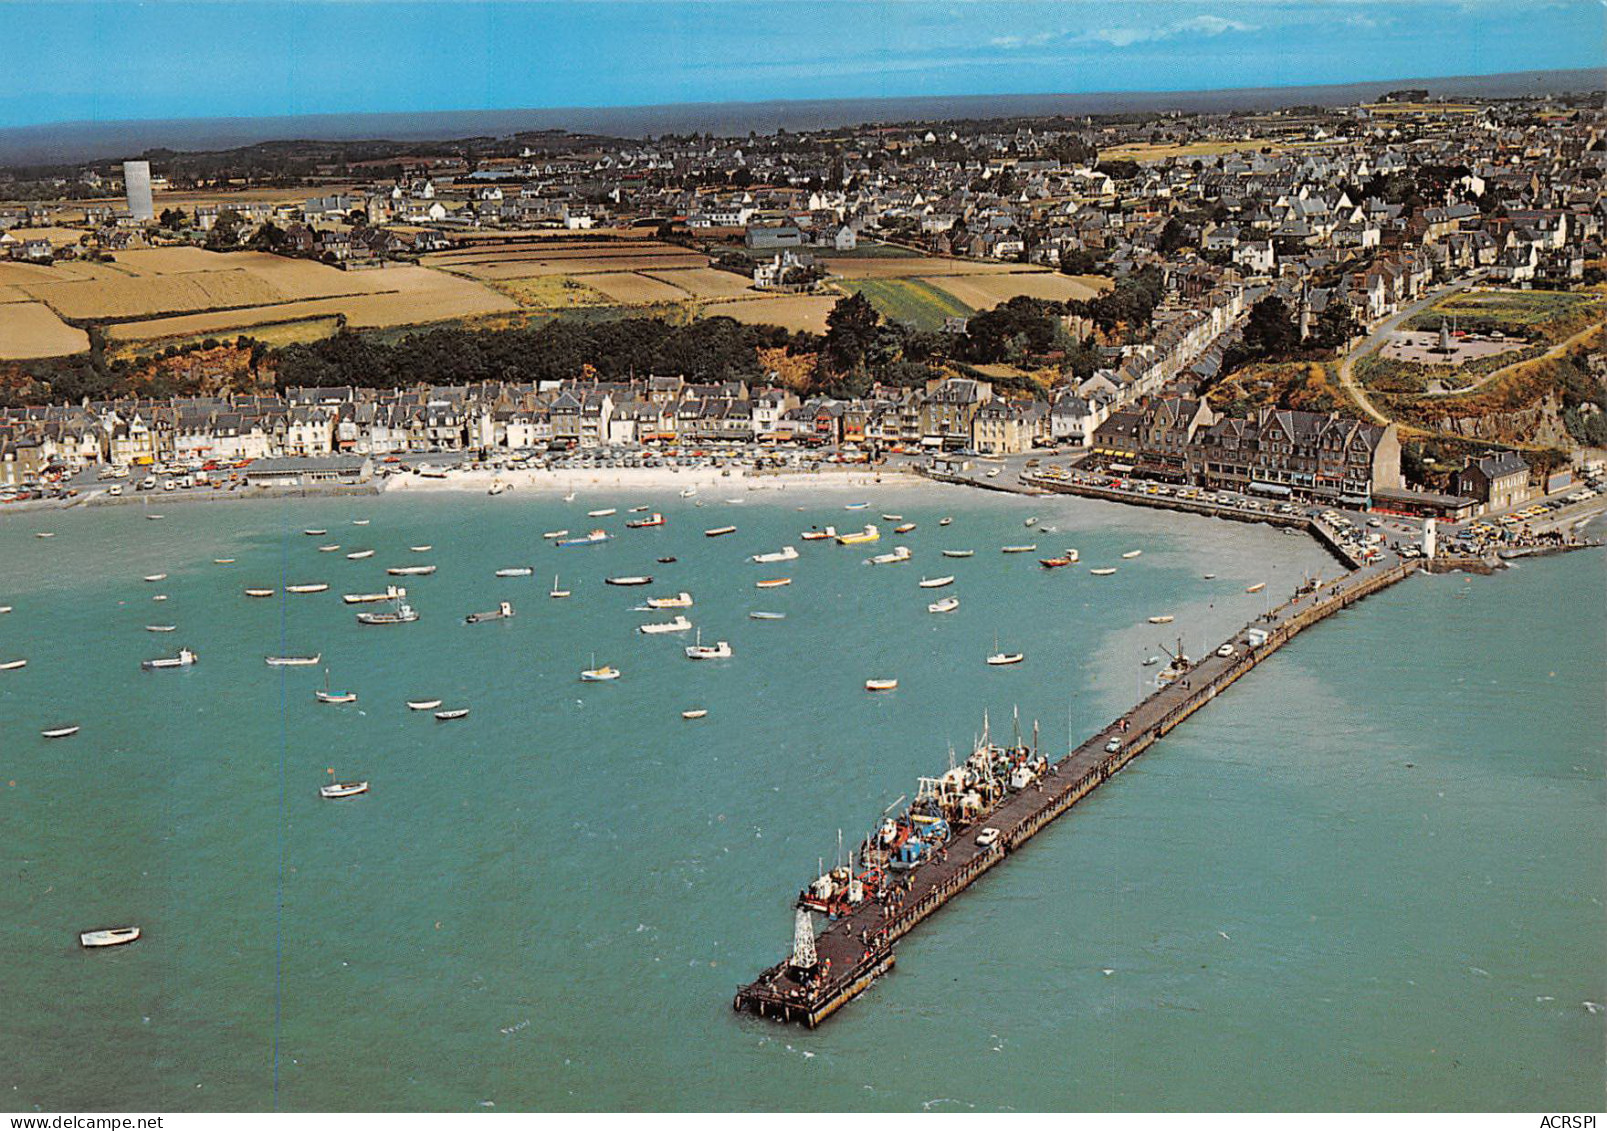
(137, 185)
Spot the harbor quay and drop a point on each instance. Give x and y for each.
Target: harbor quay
(824, 972)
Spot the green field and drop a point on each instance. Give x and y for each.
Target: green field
(912, 301)
(1548, 314)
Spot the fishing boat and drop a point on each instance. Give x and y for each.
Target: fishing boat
(785, 554)
(359, 555)
(156, 577)
(411, 571)
(13, 665)
(315, 533)
(591, 539)
(629, 580)
(904, 528)
(403, 613)
(859, 537)
(855, 506)
(183, 660)
(881, 685)
(423, 704)
(679, 624)
(695, 713)
(329, 549)
(1257, 587)
(222, 561)
(1106, 572)
(1054, 563)
(679, 601)
(936, 582)
(454, 713)
(702, 651)
(160, 627)
(557, 592)
(654, 519)
(944, 521)
(667, 559)
(60, 732)
(958, 553)
(1031, 522)
(554, 534)
(773, 583)
(946, 605)
(1072, 556)
(1161, 620)
(392, 593)
(424, 549)
(502, 612)
(892, 557)
(757, 615)
(1130, 554)
(335, 790)
(603, 513)
(309, 587)
(595, 674)
(515, 571)
(819, 535)
(111, 936)
(719, 531)
(293, 661)
(329, 696)
(259, 592)
(1029, 548)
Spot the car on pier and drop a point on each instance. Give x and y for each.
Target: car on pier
(1113, 745)
(987, 838)
(1226, 650)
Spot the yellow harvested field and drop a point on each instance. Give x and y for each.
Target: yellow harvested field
(984, 292)
(58, 237)
(795, 312)
(9, 293)
(705, 282)
(31, 329)
(550, 292)
(155, 294)
(909, 266)
(23, 274)
(631, 289)
(176, 260)
(530, 268)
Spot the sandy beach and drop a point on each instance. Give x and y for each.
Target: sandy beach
(706, 481)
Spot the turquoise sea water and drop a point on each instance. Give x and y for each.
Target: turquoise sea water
(1370, 877)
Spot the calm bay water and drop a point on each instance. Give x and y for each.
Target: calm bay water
(1370, 877)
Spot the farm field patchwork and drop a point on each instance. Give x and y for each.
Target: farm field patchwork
(704, 282)
(918, 302)
(32, 329)
(794, 312)
(983, 292)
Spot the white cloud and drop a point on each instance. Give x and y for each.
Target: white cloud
(1195, 25)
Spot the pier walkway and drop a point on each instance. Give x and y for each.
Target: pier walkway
(855, 950)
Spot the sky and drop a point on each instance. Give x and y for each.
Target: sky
(111, 60)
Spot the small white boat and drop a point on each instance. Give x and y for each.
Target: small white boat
(958, 553)
(515, 571)
(589, 539)
(679, 624)
(1106, 572)
(1151, 661)
(946, 605)
(855, 506)
(1161, 620)
(1003, 659)
(160, 597)
(259, 592)
(557, 592)
(335, 696)
(44, 534)
(222, 561)
(184, 659)
(881, 685)
(719, 531)
(819, 535)
(329, 549)
(702, 651)
(757, 615)
(569, 498)
(411, 571)
(359, 555)
(155, 517)
(319, 533)
(629, 580)
(679, 601)
(424, 549)
(449, 716)
(4, 609)
(893, 557)
(160, 627)
(688, 492)
(1210, 577)
(335, 790)
(1130, 554)
(111, 936)
(944, 521)
(1257, 587)
(599, 675)
(423, 704)
(156, 577)
(293, 661)
(698, 712)
(1031, 522)
(604, 513)
(359, 522)
(785, 554)
(553, 534)
(60, 732)
(936, 582)
(1072, 556)
(1029, 548)
(392, 593)
(903, 528)
(310, 587)
(497, 487)
(892, 518)
(13, 665)
(773, 583)
(502, 612)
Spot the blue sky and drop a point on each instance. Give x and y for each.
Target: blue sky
(117, 59)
